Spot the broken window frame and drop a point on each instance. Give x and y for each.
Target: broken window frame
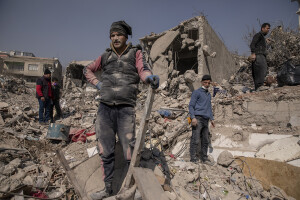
(15, 66)
(33, 67)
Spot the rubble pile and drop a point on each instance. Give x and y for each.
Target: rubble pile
(80, 107)
(29, 164)
(225, 180)
(284, 46)
(170, 108)
(28, 161)
(31, 169)
(8, 84)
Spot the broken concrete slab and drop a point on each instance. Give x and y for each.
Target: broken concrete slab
(148, 184)
(89, 175)
(3, 105)
(162, 43)
(249, 147)
(160, 68)
(185, 195)
(281, 150)
(295, 163)
(225, 158)
(267, 171)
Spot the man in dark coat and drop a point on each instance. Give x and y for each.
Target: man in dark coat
(258, 56)
(44, 95)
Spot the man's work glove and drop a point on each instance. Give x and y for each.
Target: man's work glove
(98, 86)
(153, 80)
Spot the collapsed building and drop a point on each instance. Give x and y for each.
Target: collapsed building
(27, 66)
(74, 74)
(192, 45)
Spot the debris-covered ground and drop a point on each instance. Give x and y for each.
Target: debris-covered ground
(29, 165)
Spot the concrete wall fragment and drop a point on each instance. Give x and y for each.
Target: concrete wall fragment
(223, 65)
(162, 43)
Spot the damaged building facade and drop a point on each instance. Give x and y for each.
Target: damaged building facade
(192, 45)
(27, 66)
(74, 76)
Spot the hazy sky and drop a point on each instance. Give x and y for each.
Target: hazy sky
(79, 29)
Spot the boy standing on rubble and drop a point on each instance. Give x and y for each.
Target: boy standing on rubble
(258, 56)
(122, 66)
(200, 110)
(55, 99)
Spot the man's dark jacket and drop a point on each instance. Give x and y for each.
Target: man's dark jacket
(258, 44)
(42, 88)
(55, 91)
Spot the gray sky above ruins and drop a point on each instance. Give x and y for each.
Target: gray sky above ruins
(79, 30)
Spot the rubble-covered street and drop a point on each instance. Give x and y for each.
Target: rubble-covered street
(255, 144)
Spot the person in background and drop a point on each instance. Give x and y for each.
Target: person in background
(55, 100)
(44, 95)
(258, 48)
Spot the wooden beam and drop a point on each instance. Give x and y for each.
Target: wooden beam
(14, 120)
(140, 139)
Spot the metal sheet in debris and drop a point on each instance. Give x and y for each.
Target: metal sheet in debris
(58, 132)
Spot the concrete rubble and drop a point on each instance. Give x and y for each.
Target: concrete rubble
(262, 124)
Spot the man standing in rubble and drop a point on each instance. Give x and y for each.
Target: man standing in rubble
(200, 110)
(122, 66)
(44, 95)
(258, 48)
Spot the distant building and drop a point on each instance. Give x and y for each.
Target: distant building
(27, 66)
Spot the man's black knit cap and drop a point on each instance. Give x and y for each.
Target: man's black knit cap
(47, 71)
(206, 77)
(121, 27)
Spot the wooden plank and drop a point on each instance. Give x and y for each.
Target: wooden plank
(81, 194)
(140, 139)
(14, 120)
(148, 184)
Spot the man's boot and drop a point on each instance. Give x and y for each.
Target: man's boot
(106, 192)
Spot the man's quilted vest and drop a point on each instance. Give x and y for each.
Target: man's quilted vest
(119, 77)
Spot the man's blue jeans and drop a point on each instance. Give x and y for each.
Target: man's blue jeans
(112, 120)
(44, 110)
